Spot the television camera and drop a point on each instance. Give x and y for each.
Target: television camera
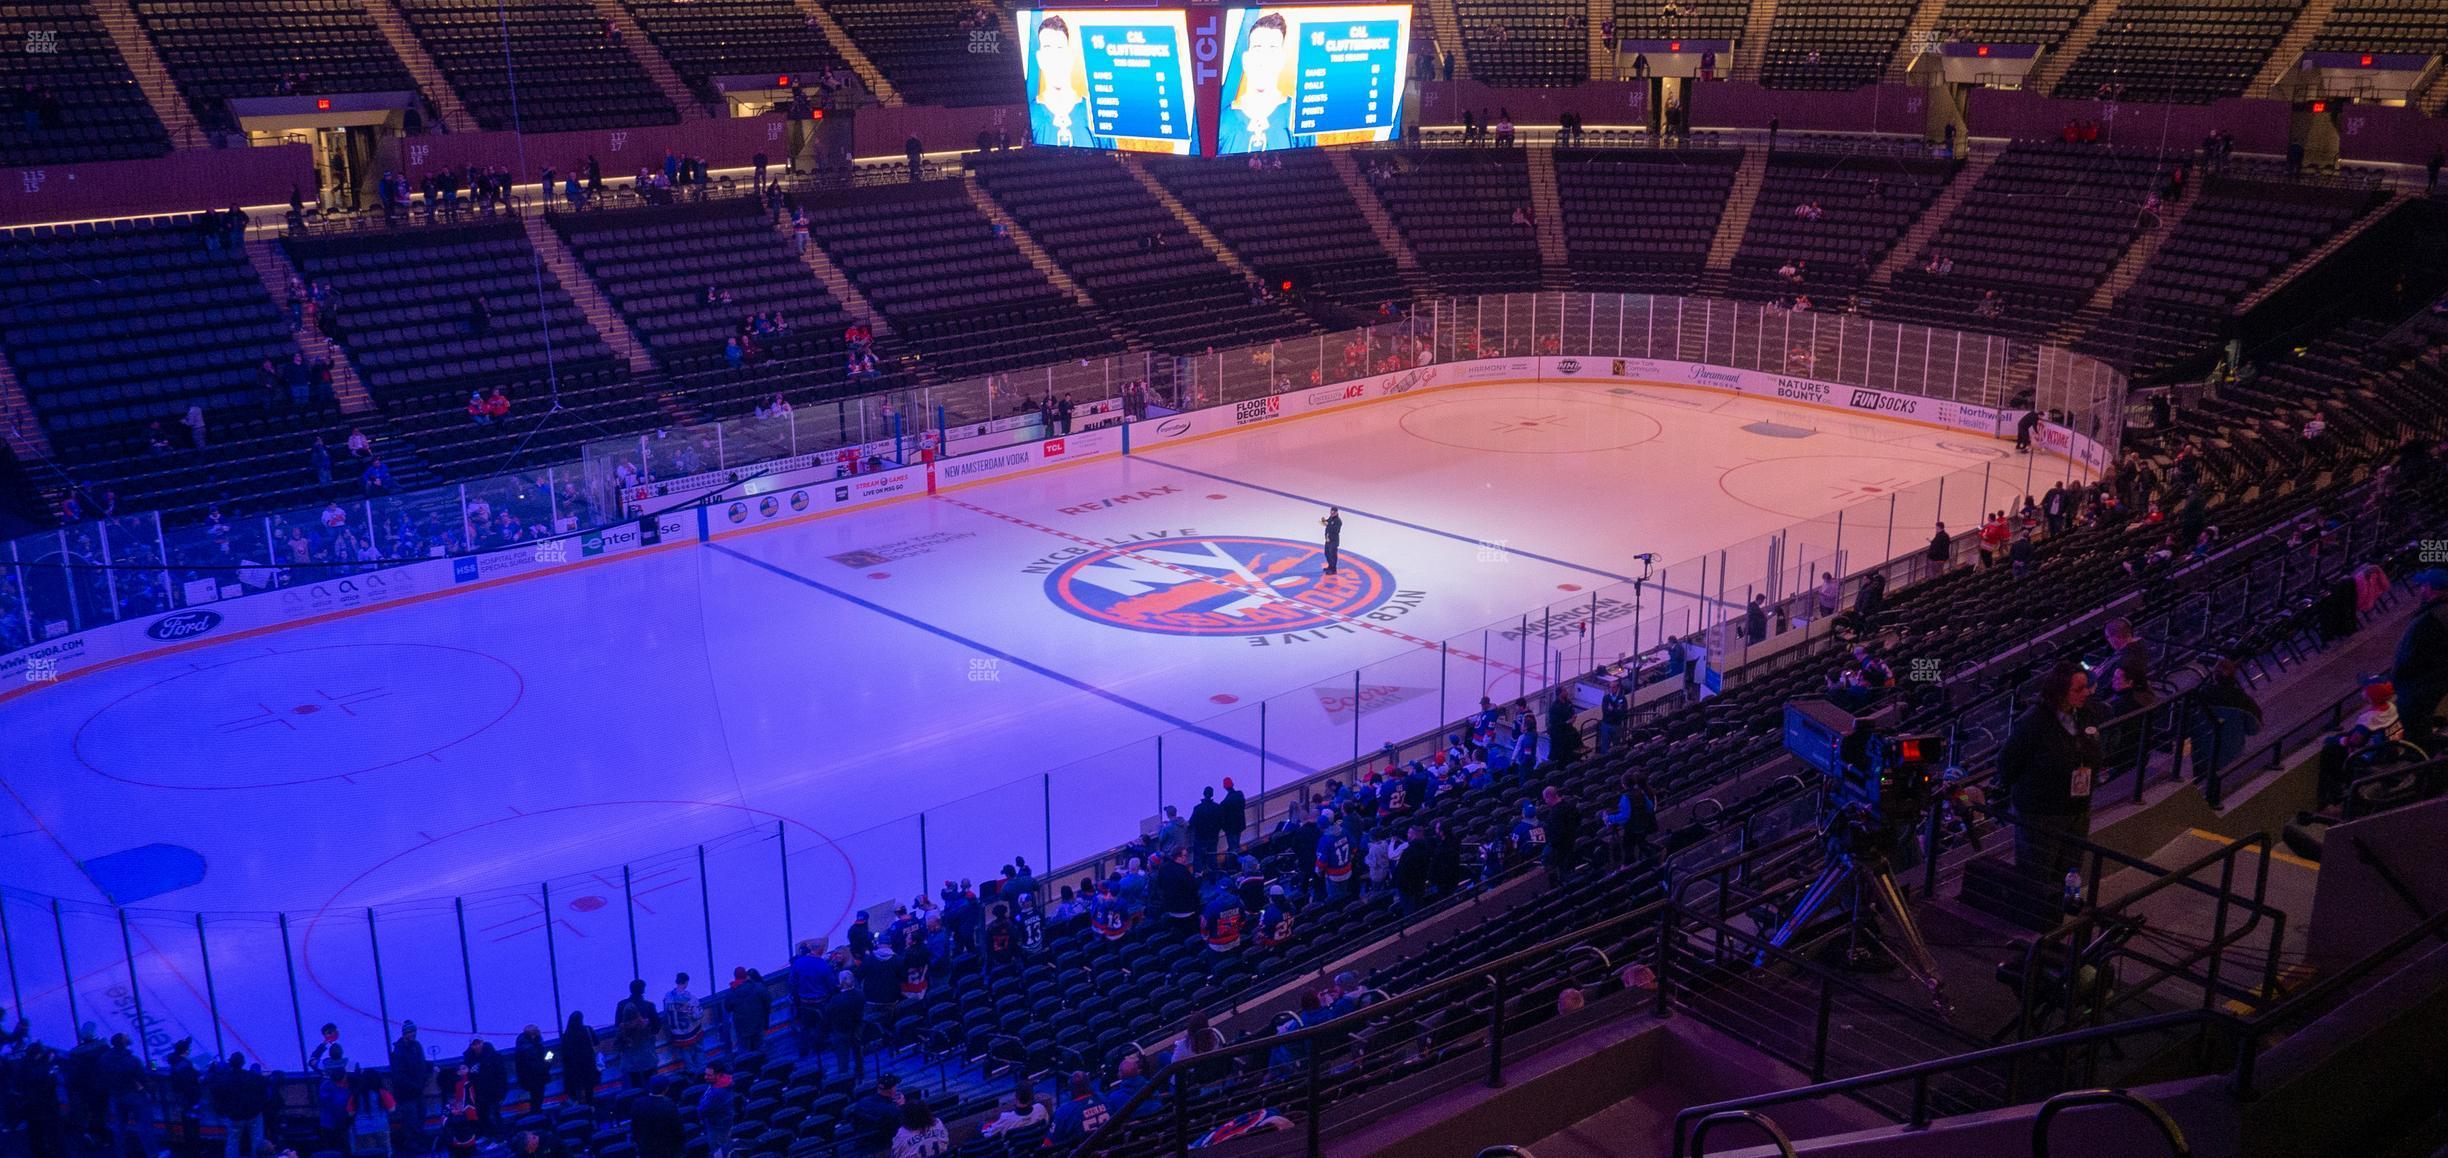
(1879, 784)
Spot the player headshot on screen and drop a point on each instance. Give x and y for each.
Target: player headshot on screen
(1058, 115)
(1260, 116)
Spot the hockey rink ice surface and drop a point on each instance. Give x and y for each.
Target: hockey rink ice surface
(772, 711)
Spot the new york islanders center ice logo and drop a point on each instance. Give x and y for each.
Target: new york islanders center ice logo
(1218, 585)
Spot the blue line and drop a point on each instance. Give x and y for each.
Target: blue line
(1167, 718)
(1427, 530)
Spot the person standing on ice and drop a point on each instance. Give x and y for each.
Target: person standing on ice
(1333, 522)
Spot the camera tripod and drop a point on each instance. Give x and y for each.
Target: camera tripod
(1858, 870)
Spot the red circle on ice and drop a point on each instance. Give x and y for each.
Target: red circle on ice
(1225, 698)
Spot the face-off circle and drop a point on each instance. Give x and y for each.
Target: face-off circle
(1218, 585)
(278, 718)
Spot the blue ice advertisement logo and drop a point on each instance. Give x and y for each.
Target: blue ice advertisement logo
(1218, 585)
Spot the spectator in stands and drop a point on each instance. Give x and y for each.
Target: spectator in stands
(369, 1109)
(1993, 535)
(922, 1134)
(2131, 656)
(476, 409)
(1504, 125)
(844, 1014)
(654, 1124)
(497, 405)
(2046, 767)
(1081, 1116)
(411, 1072)
(488, 1075)
(2420, 671)
(876, 1115)
(684, 1025)
(1020, 1112)
(812, 986)
(194, 422)
(1562, 820)
(633, 1036)
(718, 1109)
(239, 1095)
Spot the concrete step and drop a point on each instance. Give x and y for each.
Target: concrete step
(1020, 239)
(152, 76)
(838, 283)
(2053, 67)
(634, 38)
(1752, 50)
(1925, 230)
(590, 298)
(1736, 218)
(20, 427)
(1547, 207)
(878, 85)
(421, 65)
(2127, 270)
(1381, 223)
(2290, 49)
(1198, 229)
(273, 269)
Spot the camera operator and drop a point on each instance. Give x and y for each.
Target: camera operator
(2045, 769)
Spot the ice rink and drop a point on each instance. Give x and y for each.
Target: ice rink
(529, 786)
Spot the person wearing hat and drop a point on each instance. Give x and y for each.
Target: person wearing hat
(411, 1073)
(1203, 825)
(747, 1009)
(1232, 814)
(654, 1124)
(2421, 668)
(862, 937)
(844, 1013)
(877, 1113)
(326, 1055)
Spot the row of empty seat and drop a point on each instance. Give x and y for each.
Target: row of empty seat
(1456, 208)
(2180, 51)
(1525, 42)
(429, 315)
(963, 296)
(660, 265)
(68, 96)
(1864, 205)
(1132, 256)
(220, 49)
(541, 65)
(2240, 234)
(1640, 220)
(2044, 225)
(706, 39)
(1296, 223)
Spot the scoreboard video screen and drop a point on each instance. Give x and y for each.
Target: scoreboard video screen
(1109, 79)
(1301, 76)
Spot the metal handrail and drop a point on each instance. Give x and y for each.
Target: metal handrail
(1474, 978)
(2158, 1117)
(2249, 1033)
(1920, 1072)
(1776, 1134)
